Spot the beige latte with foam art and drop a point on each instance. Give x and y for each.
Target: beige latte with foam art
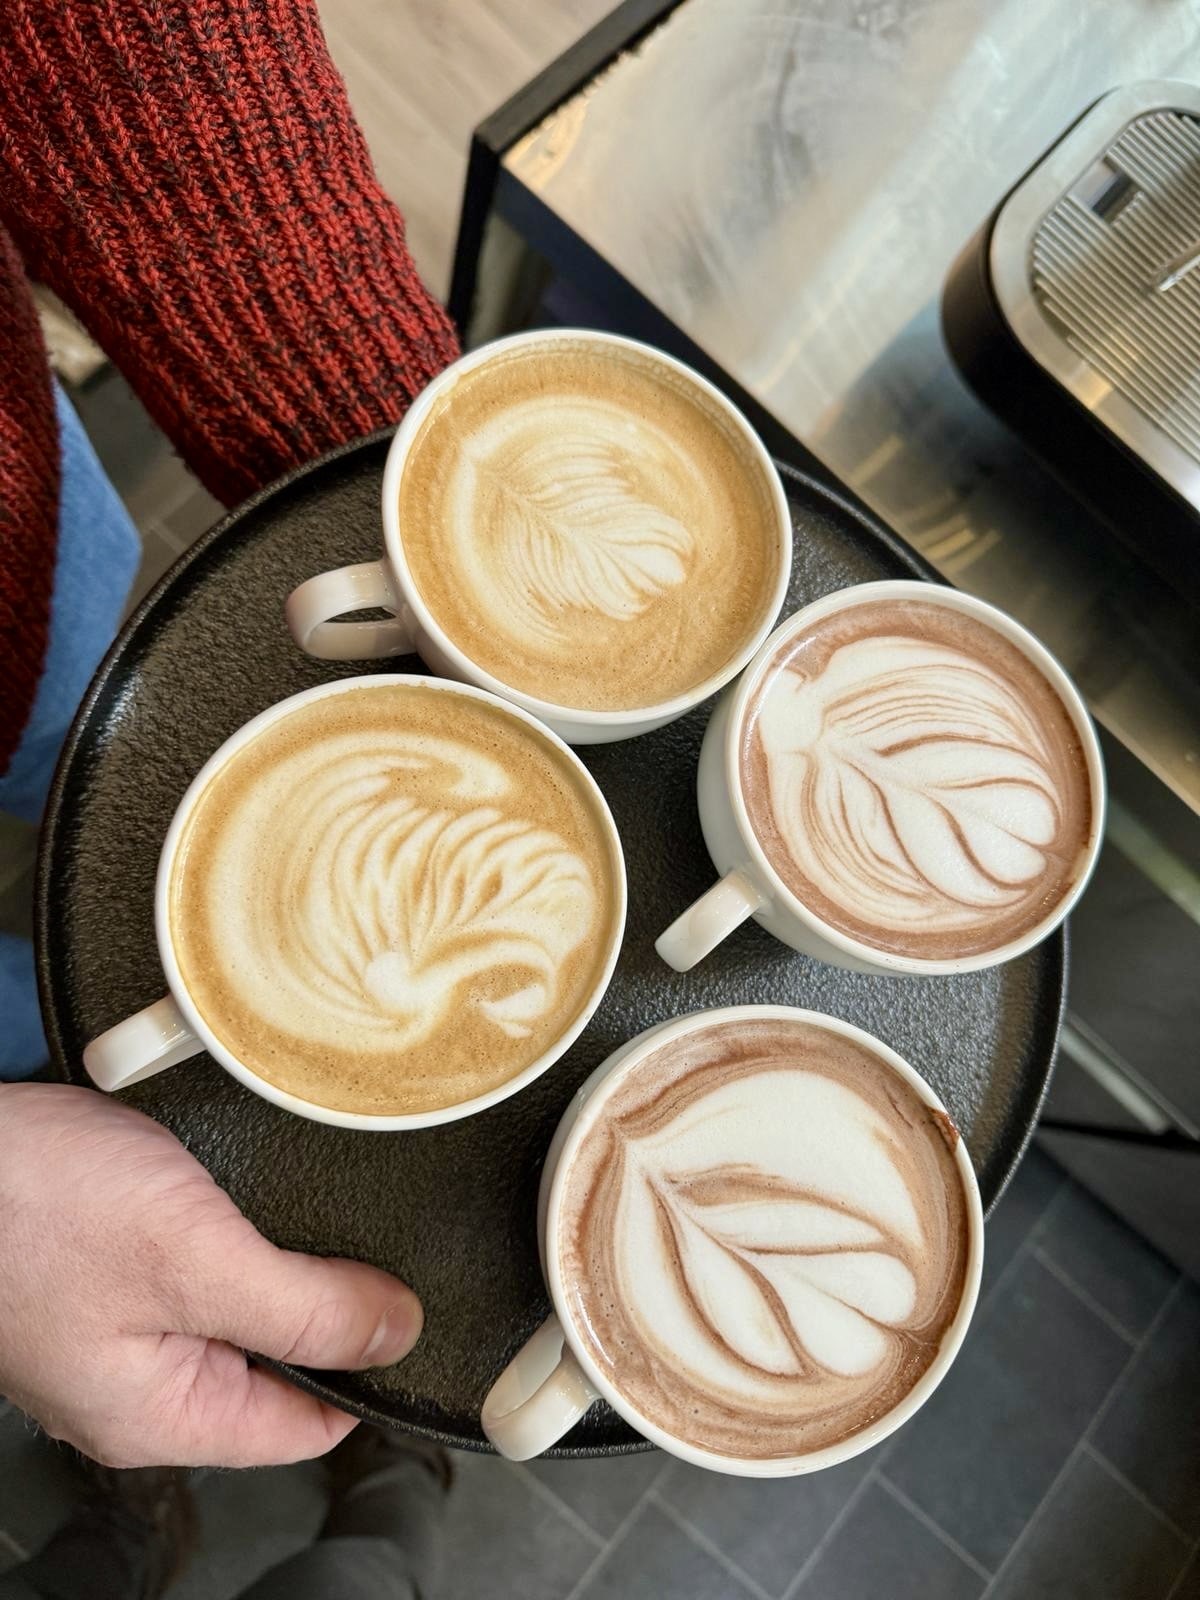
(393, 899)
(764, 1238)
(916, 780)
(588, 525)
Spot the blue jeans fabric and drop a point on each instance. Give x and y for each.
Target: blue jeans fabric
(96, 562)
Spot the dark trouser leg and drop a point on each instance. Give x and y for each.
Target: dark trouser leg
(97, 1555)
(340, 1569)
(381, 1542)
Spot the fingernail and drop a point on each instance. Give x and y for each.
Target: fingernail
(399, 1329)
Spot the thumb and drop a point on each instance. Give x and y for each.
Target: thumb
(315, 1311)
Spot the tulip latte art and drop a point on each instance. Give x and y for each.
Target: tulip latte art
(915, 780)
(588, 526)
(765, 1238)
(392, 900)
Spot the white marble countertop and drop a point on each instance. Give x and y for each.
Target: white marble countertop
(790, 180)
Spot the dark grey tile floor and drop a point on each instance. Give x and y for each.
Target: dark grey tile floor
(166, 502)
(1060, 1459)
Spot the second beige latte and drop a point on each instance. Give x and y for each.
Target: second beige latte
(588, 525)
(396, 898)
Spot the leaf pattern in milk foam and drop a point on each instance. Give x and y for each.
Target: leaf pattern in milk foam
(404, 910)
(910, 783)
(574, 527)
(794, 1255)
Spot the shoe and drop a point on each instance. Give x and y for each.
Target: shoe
(151, 1506)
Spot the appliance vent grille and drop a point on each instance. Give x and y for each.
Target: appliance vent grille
(1116, 268)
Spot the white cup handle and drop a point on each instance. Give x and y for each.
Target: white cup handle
(310, 608)
(150, 1041)
(707, 921)
(541, 1393)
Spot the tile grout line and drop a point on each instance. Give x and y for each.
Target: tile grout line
(826, 1539)
(926, 1521)
(154, 528)
(1183, 1572)
(1035, 1515)
(8, 1542)
(1038, 1226)
(1098, 1416)
(709, 1546)
(184, 541)
(1084, 1298)
(547, 1495)
(1143, 1499)
(165, 486)
(618, 1533)
(1022, 1253)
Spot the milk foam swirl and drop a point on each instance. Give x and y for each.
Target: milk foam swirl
(788, 1254)
(587, 525)
(777, 1251)
(910, 788)
(381, 913)
(394, 899)
(569, 524)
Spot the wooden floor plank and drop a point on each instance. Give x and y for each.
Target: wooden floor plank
(422, 73)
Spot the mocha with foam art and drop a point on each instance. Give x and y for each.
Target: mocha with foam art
(764, 1238)
(915, 780)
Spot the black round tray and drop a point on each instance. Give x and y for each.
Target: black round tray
(450, 1209)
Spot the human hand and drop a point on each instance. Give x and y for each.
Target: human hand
(130, 1285)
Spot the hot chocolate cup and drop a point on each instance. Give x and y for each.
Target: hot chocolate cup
(554, 1378)
(938, 870)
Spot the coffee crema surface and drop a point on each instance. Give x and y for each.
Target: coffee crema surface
(393, 899)
(915, 780)
(587, 526)
(765, 1238)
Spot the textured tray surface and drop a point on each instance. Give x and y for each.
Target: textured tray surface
(449, 1209)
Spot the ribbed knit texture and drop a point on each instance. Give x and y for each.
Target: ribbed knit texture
(188, 177)
(29, 479)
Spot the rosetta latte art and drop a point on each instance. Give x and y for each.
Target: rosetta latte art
(768, 1239)
(915, 794)
(587, 525)
(402, 910)
(573, 529)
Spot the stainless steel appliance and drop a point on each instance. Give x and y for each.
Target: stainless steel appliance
(1075, 315)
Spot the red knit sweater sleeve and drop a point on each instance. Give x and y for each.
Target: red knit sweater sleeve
(29, 478)
(189, 178)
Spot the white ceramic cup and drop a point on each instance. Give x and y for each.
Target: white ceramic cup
(172, 1030)
(552, 1380)
(750, 886)
(388, 584)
